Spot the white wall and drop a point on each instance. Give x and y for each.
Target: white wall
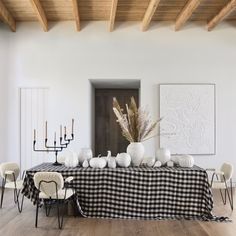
(4, 52)
(65, 60)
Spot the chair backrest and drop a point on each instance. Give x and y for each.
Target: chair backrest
(9, 166)
(48, 182)
(228, 170)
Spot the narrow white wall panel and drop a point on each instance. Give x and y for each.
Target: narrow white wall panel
(33, 114)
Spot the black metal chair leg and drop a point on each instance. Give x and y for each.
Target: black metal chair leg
(225, 196)
(230, 200)
(2, 195)
(20, 207)
(223, 199)
(36, 217)
(232, 197)
(15, 195)
(62, 216)
(47, 209)
(227, 191)
(58, 215)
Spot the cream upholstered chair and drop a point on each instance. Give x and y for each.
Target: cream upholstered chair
(51, 186)
(9, 173)
(222, 180)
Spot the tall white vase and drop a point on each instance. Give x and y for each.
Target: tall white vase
(136, 151)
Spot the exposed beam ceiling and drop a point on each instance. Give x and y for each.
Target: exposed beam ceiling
(186, 13)
(224, 12)
(7, 17)
(40, 14)
(145, 11)
(76, 14)
(112, 15)
(153, 4)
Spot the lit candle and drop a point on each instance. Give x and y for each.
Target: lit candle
(60, 131)
(72, 129)
(34, 134)
(46, 130)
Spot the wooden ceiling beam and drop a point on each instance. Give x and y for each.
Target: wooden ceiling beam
(224, 12)
(113, 15)
(76, 14)
(153, 4)
(7, 17)
(186, 13)
(40, 14)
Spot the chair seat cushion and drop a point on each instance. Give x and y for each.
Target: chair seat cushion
(61, 194)
(19, 184)
(218, 185)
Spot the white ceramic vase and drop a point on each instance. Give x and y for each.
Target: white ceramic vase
(71, 160)
(186, 161)
(136, 151)
(163, 155)
(85, 154)
(123, 159)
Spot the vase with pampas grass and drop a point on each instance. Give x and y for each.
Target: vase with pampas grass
(136, 126)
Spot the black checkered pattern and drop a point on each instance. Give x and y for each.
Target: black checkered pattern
(136, 192)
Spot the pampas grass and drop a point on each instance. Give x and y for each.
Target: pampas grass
(136, 124)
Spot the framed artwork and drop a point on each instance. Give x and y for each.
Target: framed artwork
(189, 121)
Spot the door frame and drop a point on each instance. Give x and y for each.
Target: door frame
(109, 84)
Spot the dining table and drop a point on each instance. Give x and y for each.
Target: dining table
(151, 193)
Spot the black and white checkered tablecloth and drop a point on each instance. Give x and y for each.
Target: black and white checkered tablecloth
(136, 192)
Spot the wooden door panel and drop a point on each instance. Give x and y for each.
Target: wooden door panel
(107, 131)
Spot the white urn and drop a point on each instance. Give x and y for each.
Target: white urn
(163, 155)
(85, 154)
(111, 163)
(186, 161)
(123, 159)
(136, 151)
(97, 162)
(71, 159)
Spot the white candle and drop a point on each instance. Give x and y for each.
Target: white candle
(65, 129)
(34, 134)
(46, 130)
(60, 131)
(72, 129)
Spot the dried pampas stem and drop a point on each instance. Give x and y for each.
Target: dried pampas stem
(136, 125)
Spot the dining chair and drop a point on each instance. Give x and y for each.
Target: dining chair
(52, 189)
(222, 180)
(9, 173)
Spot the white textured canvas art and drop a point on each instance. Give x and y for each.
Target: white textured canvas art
(188, 125)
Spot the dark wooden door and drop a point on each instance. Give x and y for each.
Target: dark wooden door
(107, 131)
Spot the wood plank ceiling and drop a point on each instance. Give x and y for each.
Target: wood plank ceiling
(179, 11)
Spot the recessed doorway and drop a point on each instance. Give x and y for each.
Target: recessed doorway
(107, 131)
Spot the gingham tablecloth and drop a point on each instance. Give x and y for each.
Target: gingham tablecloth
(136, 192)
